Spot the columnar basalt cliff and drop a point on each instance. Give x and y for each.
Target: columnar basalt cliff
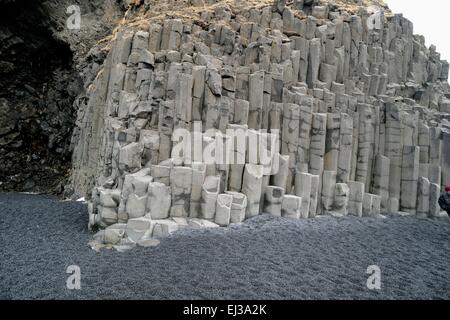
(354, 105)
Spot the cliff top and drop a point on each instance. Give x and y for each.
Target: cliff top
(140, 16)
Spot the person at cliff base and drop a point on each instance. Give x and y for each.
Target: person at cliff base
(444, 200)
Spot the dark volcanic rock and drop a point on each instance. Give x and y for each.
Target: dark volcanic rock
(41, 74)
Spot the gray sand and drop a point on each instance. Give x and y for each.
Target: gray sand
(264, 258)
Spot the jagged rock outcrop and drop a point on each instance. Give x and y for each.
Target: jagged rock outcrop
(352, 107)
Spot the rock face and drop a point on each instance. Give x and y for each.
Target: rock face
(43, 65)
(336, 111)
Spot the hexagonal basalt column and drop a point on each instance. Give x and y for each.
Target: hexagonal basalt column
(181, 185)
(210, 191)
(291, 206)
(410, 175)
(223, 209)
(273, 197)
(252, 188)
(238, 207)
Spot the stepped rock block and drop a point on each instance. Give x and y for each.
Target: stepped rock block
(291, 206)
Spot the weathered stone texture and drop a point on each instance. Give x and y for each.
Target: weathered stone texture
(358, 113)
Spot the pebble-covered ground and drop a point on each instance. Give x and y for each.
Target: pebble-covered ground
(264, 258)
